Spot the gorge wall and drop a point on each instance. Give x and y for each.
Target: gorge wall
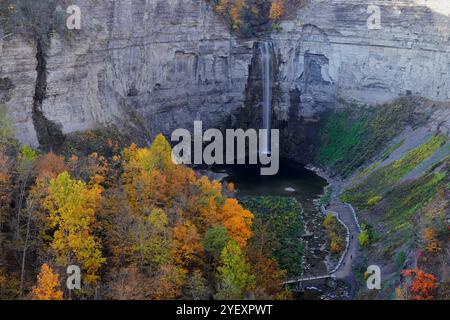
(155, 64)
(329, 52)
(160, 64)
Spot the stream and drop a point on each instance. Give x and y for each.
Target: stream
(293, 180)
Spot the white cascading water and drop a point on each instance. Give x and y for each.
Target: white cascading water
(267, 92)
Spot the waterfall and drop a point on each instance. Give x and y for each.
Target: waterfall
(266, 62)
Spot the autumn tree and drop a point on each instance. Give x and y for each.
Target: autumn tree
(430, 237)
(187, 245)
(168, 282)
(48, 167)
(151, 178)
(72, 209)
(8, 285)
(208, 204)
(237, 221)
(235, 13)
(330, 223)
(129, 283)
(234, 275)
(423, 285)
(269, 279)
(276, 10)
(47, 285)
(151, 241)
(222, 6)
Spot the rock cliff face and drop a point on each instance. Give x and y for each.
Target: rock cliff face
(17, 85)
(329, 52)
(160, 64)
(156, 64)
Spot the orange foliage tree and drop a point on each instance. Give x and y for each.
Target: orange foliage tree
(276, 10)
(269, 279)
(422, 285)
(235, 13)
(237, 221)
(50, 165)
(47, 285)
(187, 245)
(430, 236)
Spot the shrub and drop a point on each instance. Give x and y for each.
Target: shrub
(364, 238)
(334, 231)
(329, 222)
(336, 245)
(372, 202)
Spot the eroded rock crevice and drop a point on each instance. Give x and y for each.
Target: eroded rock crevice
(49, 134)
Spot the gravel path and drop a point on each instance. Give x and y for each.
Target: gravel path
(345, 271)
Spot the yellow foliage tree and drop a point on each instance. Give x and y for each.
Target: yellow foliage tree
(151, 178)
(72, 206)
(329, 222)
(208, 204)
(151, 239)
(47, 285)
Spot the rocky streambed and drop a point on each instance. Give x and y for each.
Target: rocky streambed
(306, 186)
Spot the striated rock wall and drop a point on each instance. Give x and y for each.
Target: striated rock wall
(157, 65)
(153, 64)
(17, 85)
(329, 52)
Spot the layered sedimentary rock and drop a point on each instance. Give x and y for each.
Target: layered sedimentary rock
(331, 51)
(17, 85)
(157, 65)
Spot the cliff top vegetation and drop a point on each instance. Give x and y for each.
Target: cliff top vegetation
(253, 17)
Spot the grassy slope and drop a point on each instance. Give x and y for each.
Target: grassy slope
(351, 138)
(381, 181)
(393, 211)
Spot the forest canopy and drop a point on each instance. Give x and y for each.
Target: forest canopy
(138, 226)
